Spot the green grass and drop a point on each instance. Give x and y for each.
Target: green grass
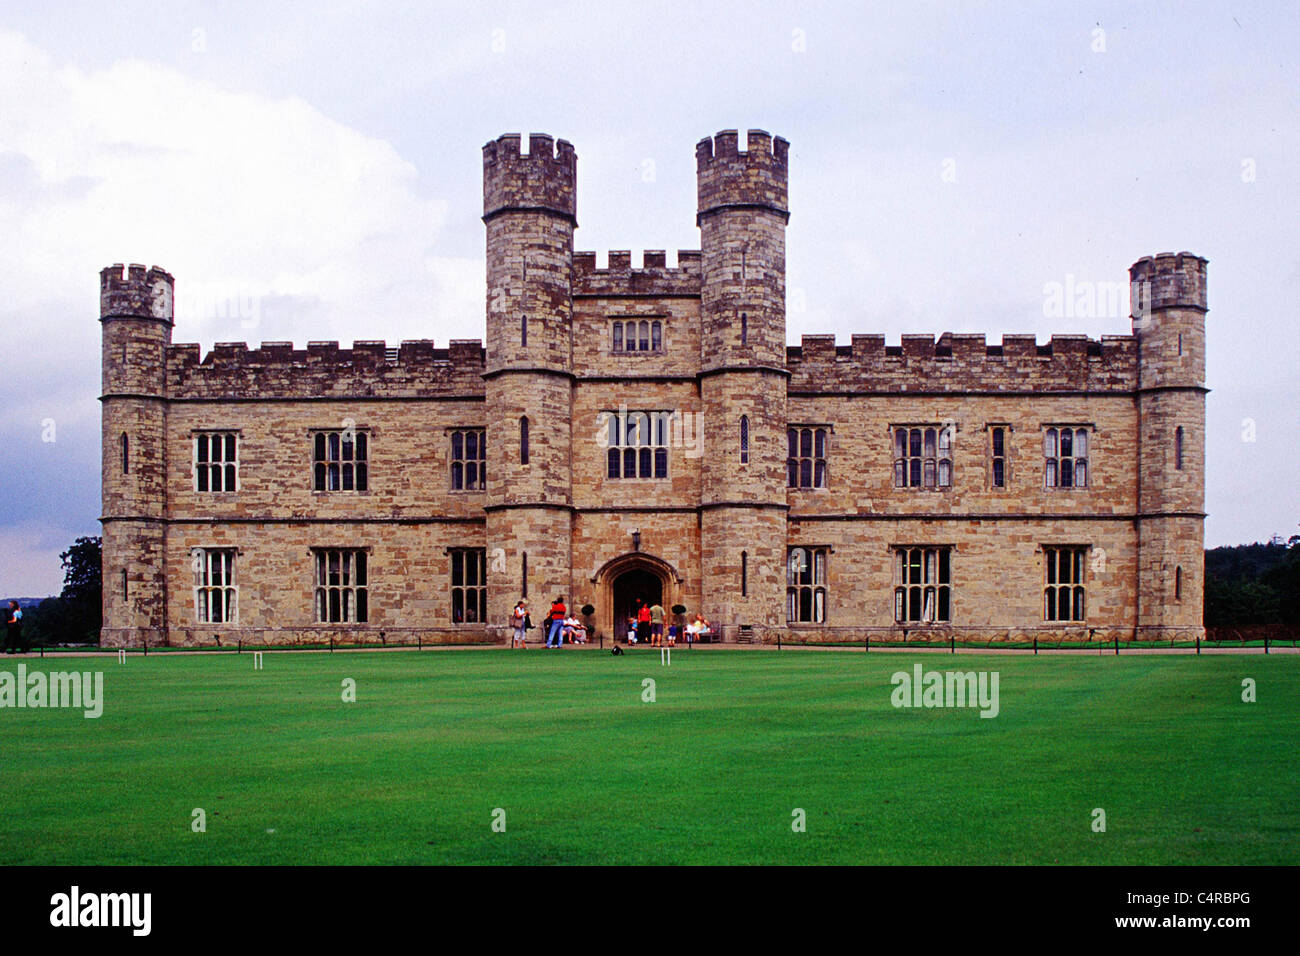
(709, 773)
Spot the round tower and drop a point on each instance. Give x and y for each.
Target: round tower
(529, 211)
(135, 313)
(1167, 295)
(742, 215)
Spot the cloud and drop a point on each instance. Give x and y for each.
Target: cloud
(277, 221)
(264, 204)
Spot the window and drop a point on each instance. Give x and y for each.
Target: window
(637, 336)
(998, 455)
(744, 328)
(637, 444)
(1178, 447)
(805, 585)
(1178, 583)
(744, 439)
(923, 456)
(744, 574)
(469, 459)
(468, 585)
(342, 595)
(341, 460)
(1065, 457)
(1063, 596)
(216, 461)
(126, 587)
(923, 585)
(214, 586)
(523, 440)
(523, 574)
(806, 458)
(126, 454)
(523, 331)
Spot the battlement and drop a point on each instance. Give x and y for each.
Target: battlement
(962, 362)
(1167, 281)
(134, 291)
(653, 278)
(415, 369)
(757, 176)
(544, 178)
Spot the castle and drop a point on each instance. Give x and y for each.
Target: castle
(646, 433)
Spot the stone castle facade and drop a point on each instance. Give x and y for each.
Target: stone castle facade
(647, 433)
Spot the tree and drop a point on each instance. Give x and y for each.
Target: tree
(1284, 580)
(82, 597)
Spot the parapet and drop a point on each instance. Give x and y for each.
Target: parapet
(1167, 281)
(370, 369)
(135, 292)
(757, 177)
(654, 278)
(544, 178)
(963, 363)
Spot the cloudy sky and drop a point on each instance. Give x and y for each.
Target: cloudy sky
(313, 172)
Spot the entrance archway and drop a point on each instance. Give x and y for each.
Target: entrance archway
(630, 577)
(632, 586)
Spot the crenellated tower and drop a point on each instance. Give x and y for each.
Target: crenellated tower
(742, 215)
(529, 211)
(135, 313)
(1167, 294)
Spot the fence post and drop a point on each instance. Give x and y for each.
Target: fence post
(1266, 642)
(866, 645)
(1035, 645)
(1117, 643)
(778, 638)
(952, 643)
(146, 647)
(1198, 645)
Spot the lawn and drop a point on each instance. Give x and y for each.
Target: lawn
(710, 772)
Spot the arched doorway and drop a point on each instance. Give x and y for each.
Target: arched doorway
(630, 577)
(633, 585)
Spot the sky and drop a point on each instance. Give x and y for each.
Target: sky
(313, 171)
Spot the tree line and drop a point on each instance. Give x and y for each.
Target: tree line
(1253, 585)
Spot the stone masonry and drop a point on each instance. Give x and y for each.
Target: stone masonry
(646, 432)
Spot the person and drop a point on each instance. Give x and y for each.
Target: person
(672, 635)
(14, 629)
(656, 625)
(574, 630)
(556, 623)
(642, 623)
(519, 621)
(631, 628)
(697, 628)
